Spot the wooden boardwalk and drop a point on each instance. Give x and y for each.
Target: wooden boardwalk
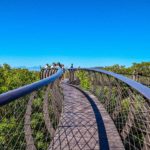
(84, 124)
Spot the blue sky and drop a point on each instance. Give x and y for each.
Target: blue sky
(84, 32)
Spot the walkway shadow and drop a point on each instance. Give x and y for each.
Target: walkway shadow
(103, 140)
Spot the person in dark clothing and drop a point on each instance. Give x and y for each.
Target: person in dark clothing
(71, 66)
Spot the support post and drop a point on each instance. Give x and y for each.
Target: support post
(71, 75)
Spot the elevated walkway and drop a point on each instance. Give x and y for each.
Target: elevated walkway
(48, 114)
(84, 124)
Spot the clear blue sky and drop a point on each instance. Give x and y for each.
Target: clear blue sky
(83, 32)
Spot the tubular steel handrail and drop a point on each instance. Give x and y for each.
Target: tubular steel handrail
(9, 96)
(144, 90)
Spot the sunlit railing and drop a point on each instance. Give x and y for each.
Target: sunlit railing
(126, 101)
(139, 78)
(29, 115)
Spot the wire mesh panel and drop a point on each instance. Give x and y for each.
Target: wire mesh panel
(30, 121)
(129, 108)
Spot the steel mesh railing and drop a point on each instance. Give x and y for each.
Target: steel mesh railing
(126, 101)
(30, 121)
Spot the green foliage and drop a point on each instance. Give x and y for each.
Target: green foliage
(84, 79)
(11, 78)
(40, 134)
(5, 126)
(142, 68)
(125, 104)
(11, 116)
(37, 102)
(118, 69)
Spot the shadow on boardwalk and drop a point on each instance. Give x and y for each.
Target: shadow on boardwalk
(82, 126)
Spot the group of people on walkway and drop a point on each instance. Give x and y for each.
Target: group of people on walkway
(54, 66)
(48, 70)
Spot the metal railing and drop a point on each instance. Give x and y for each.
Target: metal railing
(126, 101)
(143, 79)
(30, 114)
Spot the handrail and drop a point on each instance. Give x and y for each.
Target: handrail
(22, 91)
(144, 90)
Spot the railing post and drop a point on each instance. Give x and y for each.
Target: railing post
(108, 96)
(71, 75)
(46, 116)
(130, 117)
(41, 73)
(117, 107)
(135, 75)
(27, 124)
(93, 78)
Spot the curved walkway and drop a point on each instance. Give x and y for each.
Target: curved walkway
(84, 124)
